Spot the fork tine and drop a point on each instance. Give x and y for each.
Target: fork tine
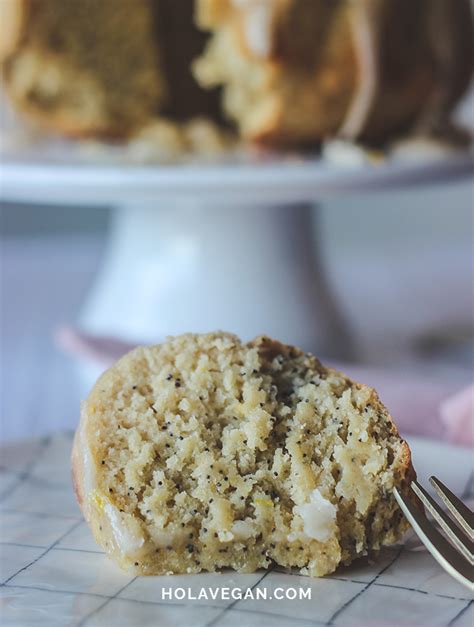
(461, 512)
(454, 533)
(437, 545)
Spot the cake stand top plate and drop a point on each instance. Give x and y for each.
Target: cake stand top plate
(59, 172)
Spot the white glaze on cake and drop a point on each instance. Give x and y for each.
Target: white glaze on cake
(258, 25)
(319, 517)
(366, 36)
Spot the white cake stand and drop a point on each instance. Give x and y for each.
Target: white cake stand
(212, 246)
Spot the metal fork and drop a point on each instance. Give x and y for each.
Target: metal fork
(457, 555)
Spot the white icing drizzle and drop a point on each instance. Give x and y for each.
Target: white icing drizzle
(89, 481)
(319, 516)
(86, 465)
(365, 32)
(126, 530)
(258, 24)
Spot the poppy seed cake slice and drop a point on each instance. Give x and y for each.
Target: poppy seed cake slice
(205, 452)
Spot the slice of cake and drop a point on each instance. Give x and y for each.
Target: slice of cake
(205, 453)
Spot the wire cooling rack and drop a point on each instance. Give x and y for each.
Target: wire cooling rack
(53, 573)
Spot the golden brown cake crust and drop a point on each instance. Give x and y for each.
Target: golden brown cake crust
(13, 20)
(83, 69)
(201, 378)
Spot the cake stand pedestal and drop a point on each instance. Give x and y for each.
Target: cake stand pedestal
(199, 247)
(173, 267)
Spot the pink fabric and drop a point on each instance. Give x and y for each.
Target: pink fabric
(457, 416)
(416, 404)
(421, 406)
(103, 350)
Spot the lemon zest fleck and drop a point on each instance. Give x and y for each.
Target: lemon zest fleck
(264, 502)
(97, 500)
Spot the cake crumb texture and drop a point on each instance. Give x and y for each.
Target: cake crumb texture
(205, 453)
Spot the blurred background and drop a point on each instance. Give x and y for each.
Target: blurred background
(302, 170)
(379, 283)
(400, 265)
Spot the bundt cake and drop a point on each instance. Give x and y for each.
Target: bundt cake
(285, 72)
(296, 71)
(205, 453)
